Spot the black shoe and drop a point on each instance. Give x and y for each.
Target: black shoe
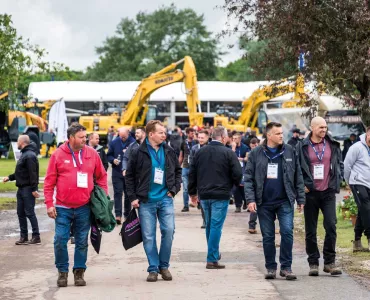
(203, 226)
(35, 240)
(245, 206)
(185, 209)
(22, 241)
(118, 220)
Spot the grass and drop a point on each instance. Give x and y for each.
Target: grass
(7, 167)
(6, 203)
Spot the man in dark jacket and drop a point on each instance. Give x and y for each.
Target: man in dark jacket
(322, 167)
(140, 138)
(116, 150)
(273, 182)
(35, 139)
(347, 144)
(153, 178)
(295, 138)
(214, 170)
(26, 178)
(94, 142)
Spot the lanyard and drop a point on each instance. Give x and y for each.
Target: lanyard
(157, 155)
(276, 156)
(238, 152)
(74, 158)
(322, 152)
(187, 144)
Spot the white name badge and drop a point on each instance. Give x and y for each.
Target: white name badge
(318, 171)
(241, 163)
(272, 171)
(158, 176)
(82, 180)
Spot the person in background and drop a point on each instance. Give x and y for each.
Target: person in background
(94, 143)
(140, 136)
(116, 150)
(35, 139)
(175, 140)
(253, 215)
(110, 134)
(347, 144)
(295, 139)
(51, 144)
(26, 178)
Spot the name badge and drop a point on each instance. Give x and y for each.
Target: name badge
(272, 171)
(158, 176)
(82, 180)
(318, 171)
(241, 163)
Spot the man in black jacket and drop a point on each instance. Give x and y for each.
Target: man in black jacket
(273, 182)
(94, 142)
(295, 138)
(26, 178)
(322, 169)
(153, 178)
(214, 170)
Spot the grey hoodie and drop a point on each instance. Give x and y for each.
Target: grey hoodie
(357, 163)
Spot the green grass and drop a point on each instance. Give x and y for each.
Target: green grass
(7, 202)
(7, 167)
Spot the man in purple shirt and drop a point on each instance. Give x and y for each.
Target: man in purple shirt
(322, 169)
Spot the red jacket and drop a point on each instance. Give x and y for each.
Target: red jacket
(62, 174)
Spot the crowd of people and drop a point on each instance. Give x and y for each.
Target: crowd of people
(266, 177)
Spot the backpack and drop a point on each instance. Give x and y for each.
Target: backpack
(101, 208)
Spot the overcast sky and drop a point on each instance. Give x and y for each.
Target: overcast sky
(71, 29)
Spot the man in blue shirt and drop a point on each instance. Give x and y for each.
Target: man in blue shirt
(153, 179)
(116, 150)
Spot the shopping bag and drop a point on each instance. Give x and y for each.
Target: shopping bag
(131, 231)
(95, 235)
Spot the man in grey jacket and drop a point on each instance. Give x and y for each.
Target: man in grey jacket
(140, 137)
(357, 175)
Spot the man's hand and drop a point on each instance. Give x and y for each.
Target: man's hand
(306, 190)
(124, 173)
(300, 207)
(116, 162)
(252, 207)
(36, 194)
(240, 158)
(233, 145)
(5, 179)
(194, 199)
(135, 203)
(169, 194)
(52, 212)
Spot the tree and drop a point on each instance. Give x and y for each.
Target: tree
(333, 35)
(243, 69)
(152, 41)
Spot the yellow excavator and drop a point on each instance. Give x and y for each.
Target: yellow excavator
(251, 113)
(138, 111)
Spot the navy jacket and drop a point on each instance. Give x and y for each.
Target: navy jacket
(118, 147)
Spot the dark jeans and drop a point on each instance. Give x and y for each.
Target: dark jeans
(239, 195)
(119, 188)
(362, 198)
(26, 209)
(252, 220)
(325, 201)
(267, 215)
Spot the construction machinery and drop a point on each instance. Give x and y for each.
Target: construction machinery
(138, 111)
(252, 116)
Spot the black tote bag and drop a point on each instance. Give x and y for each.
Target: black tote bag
(131, 231)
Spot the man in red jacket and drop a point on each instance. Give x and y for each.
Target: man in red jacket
(72, 170)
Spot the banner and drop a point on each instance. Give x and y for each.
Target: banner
(58, 121)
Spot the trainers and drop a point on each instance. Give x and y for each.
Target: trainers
(332, 269)
(62, 279)
(357, 247)
(79, 277)
(185, 209)
(271, 274)
(22, 241)
(252, 231)
(288, 274)
(214, 266)
(314, 270)
(166, 275)
(238, 210)
(35, 240)
(152, 277)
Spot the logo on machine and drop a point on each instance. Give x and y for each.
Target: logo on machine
(164, 80)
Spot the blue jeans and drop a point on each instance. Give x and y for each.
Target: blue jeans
(267, 215)
(148, 213)
(215, 212)
(81, 220)
(185, 182)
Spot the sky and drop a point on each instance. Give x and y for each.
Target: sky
(71, 29)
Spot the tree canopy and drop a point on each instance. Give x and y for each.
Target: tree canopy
(152, 41)
(333, 35)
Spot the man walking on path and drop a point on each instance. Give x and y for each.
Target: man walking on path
(273, 182)
(116, 150)
(26, 178)
(184, 160)
(322, 169)
(215, 169)
(94, 143)
(153, 179)
(140, 138)
(253, 215)
(73, 170)
(357, 175)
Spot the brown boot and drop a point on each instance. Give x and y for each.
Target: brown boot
(333, 269)
(214, 266)
(357, 247)
(152, 277)
(79, 277)
(166, 275)
(62, 279)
